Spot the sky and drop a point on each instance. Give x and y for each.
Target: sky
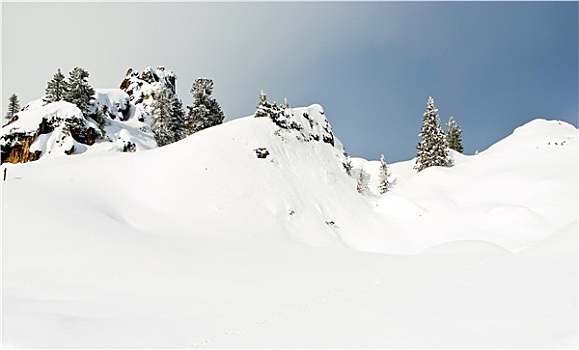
(372, 65)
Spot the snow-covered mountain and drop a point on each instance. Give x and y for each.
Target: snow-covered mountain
(119, 120)
(250, 234)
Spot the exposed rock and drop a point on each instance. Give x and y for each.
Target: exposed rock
(310, 122)
(19, 151)
(261, 152)
(143, 86)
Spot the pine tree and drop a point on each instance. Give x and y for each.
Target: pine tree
(362, 182)
(13, 107)
(264, 107)
(78, 90)
(453, 136)
(177, 120)
(432, 150)
(56, 88)
(384, 185)
(205, 112)
(162, 110)
(76, 127)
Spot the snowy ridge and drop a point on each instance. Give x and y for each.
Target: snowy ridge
(302, 187)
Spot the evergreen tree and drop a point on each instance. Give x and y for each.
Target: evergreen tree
(205, 112)
(264, 107)
(384, 185)
(76, 128)
(78, 90)
(162, 110)
(279, 114)
(348, 166)
(13, 107)
(56, 88)
(178, 131)
(432, 150)
(362, 182)
(285, 104)
(453, 136)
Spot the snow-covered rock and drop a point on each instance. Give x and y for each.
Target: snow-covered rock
(117, 120)
(144, 88)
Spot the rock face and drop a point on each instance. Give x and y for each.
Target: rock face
(144, 87)
(310, 122)
(19, 152)
(118, 120)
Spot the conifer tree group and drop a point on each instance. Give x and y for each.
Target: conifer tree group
(75, 90)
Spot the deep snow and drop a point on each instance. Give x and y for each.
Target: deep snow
(202, 244)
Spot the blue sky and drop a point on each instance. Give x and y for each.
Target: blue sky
(492, 65)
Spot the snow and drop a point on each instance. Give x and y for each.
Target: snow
(34, 112)
(201, 244)
(115, 100)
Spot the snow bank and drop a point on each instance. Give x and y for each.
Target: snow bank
(32, 115)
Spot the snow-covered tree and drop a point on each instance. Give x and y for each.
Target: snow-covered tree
(55, 88)
(270, 110)
(76, 127)
(205, 112)
(162, 110)
(177, 120)
(264, 107)
(13, 106)
(384, 185)
(453, 136)
(433, 149)
(362, 182)
(348, 166)
(78, 90)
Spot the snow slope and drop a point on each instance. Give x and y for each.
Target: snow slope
(203, 244)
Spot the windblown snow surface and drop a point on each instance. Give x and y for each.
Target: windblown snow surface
(201, 244)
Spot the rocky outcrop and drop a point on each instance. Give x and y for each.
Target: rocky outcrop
(310, 122)
(19, 151)
(116, 120)
(142, 87)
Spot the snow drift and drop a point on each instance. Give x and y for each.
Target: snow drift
(213, 242)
